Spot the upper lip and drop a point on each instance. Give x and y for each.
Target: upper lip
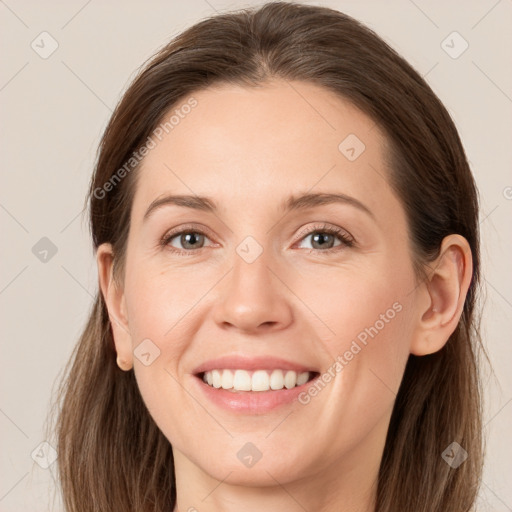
(238, 362)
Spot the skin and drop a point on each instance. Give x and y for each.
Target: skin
(248, 149)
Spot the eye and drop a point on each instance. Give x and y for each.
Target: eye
(190, 240)
(324, 236)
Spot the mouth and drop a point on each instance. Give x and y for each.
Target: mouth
(253, 385)
(262, 380)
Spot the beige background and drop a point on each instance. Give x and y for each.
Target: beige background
(54, 111)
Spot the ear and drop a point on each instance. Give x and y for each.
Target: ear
(114, 298)
(441, 296)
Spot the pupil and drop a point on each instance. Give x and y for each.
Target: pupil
(322, 237)
(190, 238)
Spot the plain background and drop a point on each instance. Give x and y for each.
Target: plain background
(54, 111)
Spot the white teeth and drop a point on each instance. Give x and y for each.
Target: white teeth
(216, 378)
(260, 380)
(290, 379)
(242, 381)
(277, 379)
(302, 378)
(227, 379)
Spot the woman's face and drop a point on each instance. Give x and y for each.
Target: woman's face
(259, 286)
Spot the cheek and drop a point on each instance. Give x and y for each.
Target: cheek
(158, 306)
(375, 318)
(367, 356)
(364, 304)
(159, 302)
(368, 315)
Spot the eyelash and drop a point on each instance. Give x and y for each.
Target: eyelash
(346, 240)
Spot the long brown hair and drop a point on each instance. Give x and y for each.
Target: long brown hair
(111, 454)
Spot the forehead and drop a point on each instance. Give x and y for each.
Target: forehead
(264, 143)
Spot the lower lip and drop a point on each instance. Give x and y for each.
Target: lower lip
(252, 402)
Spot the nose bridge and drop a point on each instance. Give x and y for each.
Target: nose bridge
(253, 296)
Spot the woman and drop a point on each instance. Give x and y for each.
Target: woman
(228, 366)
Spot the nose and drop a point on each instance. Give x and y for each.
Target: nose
(253, 298)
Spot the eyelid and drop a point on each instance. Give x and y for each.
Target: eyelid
(193, 228)
(324, 227)
(185, 228)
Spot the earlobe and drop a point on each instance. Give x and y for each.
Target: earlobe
(441, 297)
(116, 305)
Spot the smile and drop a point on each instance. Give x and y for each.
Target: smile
(259, 380)
(253, 384)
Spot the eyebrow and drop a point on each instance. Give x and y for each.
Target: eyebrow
(293, 203)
